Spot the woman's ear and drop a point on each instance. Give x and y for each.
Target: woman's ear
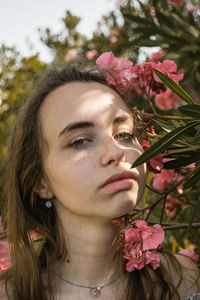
(43, 190)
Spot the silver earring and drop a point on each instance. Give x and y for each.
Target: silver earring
(48, 204)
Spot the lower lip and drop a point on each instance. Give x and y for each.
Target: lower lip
(119, 184)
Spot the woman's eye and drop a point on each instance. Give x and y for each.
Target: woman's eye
(78, 143)
(126, 136)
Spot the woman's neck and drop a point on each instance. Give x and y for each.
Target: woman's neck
(90, 247)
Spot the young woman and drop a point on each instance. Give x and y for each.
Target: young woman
(68, 175)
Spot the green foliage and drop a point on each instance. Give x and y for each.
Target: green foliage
(175, 30)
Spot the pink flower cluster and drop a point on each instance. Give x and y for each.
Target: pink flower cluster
(124, 75)
(140, 244)
(120, 70)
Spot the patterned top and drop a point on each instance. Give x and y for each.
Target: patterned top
(193, 297)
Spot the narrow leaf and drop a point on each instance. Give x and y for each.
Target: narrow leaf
(172, 85)
(191, 110)
(196, 212)
(193, 180)
(180, 162)
(163, 143)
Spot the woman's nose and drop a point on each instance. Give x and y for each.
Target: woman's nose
(111, 152)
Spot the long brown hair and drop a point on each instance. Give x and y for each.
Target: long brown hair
(25, 210)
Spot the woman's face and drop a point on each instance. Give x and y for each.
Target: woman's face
(87, 127)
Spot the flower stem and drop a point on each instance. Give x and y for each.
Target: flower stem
(192, 148)
(181, 226)
(163, 208)
(157, 116)
(151, 206)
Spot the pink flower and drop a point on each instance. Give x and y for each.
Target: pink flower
(4, 256)
(176, 2)
(163, 179)
(168, 67)
(138, 241)
(135, 263)
(170, 207)
(142, 75)
(157, 55)
(119, 68)
(190, 253)
(34, 235)
(155, 164)
(112, 38)
(153, 259)
(143, 78)
(91, 54)
(71, 54)
(167, 100)
(191, 7)
(152, 237)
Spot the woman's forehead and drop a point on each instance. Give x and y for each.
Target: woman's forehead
(80, 102)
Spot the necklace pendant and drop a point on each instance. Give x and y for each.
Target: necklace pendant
(96, 291)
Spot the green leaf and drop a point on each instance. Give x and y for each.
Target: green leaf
(139, 20)
(193, 180)
(146, 11)
(185, 25)
(180, 162)
(196, 212)
(172, 85)
(162, 144)
(191, 110)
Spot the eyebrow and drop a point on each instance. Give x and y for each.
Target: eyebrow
(86, 124)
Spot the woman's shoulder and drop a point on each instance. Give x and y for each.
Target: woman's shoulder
(185, 275)
(3, 294)
(2, 291)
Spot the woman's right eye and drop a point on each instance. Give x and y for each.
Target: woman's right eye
(78, 143)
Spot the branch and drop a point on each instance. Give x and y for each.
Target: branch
(181, 226)
(157, 116)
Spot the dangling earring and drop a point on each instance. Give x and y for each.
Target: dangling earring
(48, 204)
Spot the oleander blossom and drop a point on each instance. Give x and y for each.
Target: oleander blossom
(167, 100)
(140, 245)
(120, 70)
(124, 76)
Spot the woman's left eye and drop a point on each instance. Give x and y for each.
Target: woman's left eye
(126, 136)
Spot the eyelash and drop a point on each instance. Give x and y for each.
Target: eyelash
(130, 138)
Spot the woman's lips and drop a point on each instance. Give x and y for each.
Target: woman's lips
(119, 184)
(122, 179)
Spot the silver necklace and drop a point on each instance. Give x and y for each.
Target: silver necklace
(95, 291)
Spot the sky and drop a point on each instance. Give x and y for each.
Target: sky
(20, 20)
